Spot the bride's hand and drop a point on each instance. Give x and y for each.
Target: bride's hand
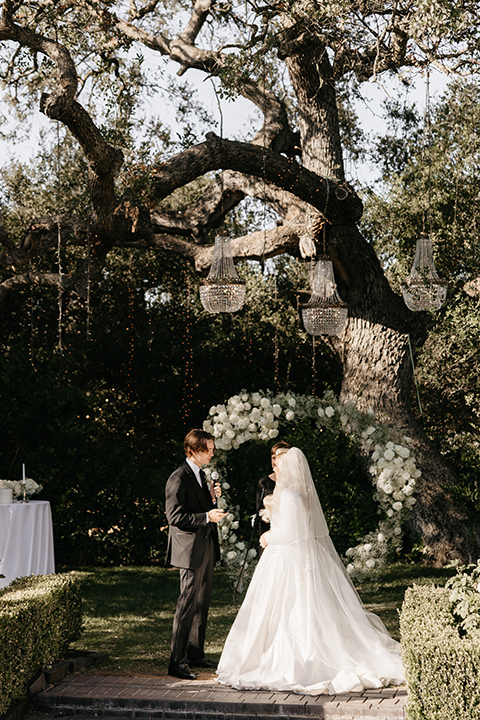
(263, 540)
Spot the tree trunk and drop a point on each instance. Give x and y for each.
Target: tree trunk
(375, 346)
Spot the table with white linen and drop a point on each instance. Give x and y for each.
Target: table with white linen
(26, 540)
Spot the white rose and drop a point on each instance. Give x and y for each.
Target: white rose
(389, 512)
(390, 445)
(398, 461)
(265, 402)
(350, 568)
(222, 417)
(344, 419)
(388, 455)
(252, 553)
(397, 506)
(371, 430)
(321, 412)
(380, 537)
(252, 428)
(232, 539)
(292, 402)
(231, 555)
(417, 473)
(247, 407)
(408, 490)
(269, 417)
(273, 433)
(231, 517)
(277, 409)
(255, 415)
(230, 434)
(241, 545)
(387, 488)
(289, 415)
(397, 530)
(244, 397)
(375, 455)
(349, 552)
(235, 525)
(370, 563)
(367, 547)
(398, 495)
(213, 410)
(329, 411)
(256, 397)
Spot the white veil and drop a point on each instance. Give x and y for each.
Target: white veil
(304, 521)
(294, 475)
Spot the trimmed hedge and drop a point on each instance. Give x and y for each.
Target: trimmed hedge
(39, 616)
(442, 668)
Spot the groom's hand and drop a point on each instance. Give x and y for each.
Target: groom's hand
(216, 515)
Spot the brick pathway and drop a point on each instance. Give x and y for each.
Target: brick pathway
(204, 699)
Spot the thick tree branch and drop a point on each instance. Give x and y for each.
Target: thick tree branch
(333, 199)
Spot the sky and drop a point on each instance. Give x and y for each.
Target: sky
(237, 117)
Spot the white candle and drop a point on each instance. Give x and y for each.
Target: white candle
(23, 472)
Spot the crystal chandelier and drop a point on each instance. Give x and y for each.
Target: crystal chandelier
(325, 313)
(223, 290)
(424, 290)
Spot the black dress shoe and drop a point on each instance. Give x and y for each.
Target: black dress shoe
(203, 663)
(181, 670)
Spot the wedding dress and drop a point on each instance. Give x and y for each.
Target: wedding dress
(302, 626)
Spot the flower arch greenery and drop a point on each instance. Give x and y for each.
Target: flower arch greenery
(260, 416)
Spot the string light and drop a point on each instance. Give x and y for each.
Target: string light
(187, 401)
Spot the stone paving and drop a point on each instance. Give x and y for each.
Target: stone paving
(165, 697)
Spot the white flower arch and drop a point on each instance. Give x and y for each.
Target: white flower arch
(259, 416)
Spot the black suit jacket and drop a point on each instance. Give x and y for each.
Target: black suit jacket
(186, 506)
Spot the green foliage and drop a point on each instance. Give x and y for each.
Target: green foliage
(442, 669)
(39, 617)
(450, 392)
(433, 176)
(465, 597)
(99, 422)
(430, 180)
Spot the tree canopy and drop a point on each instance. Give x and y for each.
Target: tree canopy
(118, 180)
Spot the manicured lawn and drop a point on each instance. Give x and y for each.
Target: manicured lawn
(129, 611)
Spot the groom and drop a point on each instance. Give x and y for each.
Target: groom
(193, 548)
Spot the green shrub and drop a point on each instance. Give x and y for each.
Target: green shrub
(442, 668)
(40, 616)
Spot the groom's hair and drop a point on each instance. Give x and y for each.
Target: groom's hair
(196, 441)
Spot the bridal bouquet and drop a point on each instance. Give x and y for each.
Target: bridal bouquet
(31, 487)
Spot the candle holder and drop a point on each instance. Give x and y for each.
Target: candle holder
(24, 492)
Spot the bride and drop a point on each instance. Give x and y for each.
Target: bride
(302, 626)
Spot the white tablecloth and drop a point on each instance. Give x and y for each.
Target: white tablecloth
(26, 540)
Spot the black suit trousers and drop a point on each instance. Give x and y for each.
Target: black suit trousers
(190, 620)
